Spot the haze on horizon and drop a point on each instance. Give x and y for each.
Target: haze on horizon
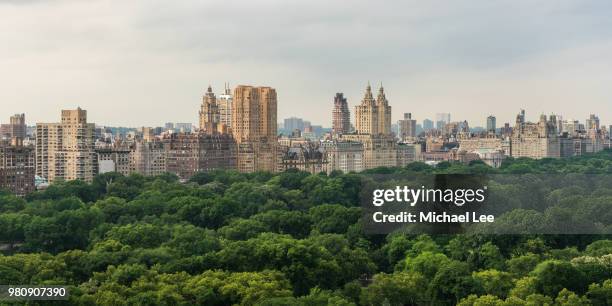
(146, 62)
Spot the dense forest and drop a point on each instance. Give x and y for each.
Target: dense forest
(292, 238)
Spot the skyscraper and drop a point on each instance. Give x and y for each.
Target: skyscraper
(15, 128)
(384, 112)
(407, 127)
(293, 123)
(491, 124)
(17, 167)
(341, 116)
(366, 114)
(592, 123)
(428, 124)
(224, 102)
(373, 117)
(442, 119)
(65, 150)
(209, 112)
(254, 127)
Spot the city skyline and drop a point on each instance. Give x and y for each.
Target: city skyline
(144, 66)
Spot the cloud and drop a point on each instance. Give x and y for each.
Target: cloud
(127, 61)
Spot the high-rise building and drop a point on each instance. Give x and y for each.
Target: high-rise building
(442, 119)
(341, 116)
(65, 150)
(17, 167)
(428, 125)
(384, 112)
(592, 123)
(293, 123)
(373, 117)
(366, 114)
(491, 124)
(183, 127)
(15, 128)
(254, 128)
(210, 116)
(224, 103)
(407, 127)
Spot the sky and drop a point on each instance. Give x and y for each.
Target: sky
(145, 62)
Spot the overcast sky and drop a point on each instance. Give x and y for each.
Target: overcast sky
(146, 62)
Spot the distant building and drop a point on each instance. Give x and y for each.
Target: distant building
(148, 158)
(407, 127)
(190, 153)
(65, 150)
(183, 127)
(442, 119)
(16, 128)
(254, 128)
(17, 167)
(373, 117)
(224, 103)
(428, 125)
(304, 158)
(210, 117)
(378, 151)
(491, 124)
(345, 156)
(535, 140)
(114, 160)
(408, 153)
(341, 116)
(293, 123)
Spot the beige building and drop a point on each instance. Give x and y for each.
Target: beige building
(209, 112)
(345, 156)
(478, 143)
(65, 150)
(408, 153)
(148, 158)
(254, 128)
(15, 128)
(224, 102)
(373, 117)
(378, 151)
(535, 140)
(114, 160)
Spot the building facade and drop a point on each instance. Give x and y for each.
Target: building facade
(16, 128)
(373, 117)
(341, 116)
(17, 167)
(65, 150)
(254, 127)
(210, 116)
(535, 140)
(224, 102)
(345, 156)
(190, 153)
(407, 128)
(378, 151)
